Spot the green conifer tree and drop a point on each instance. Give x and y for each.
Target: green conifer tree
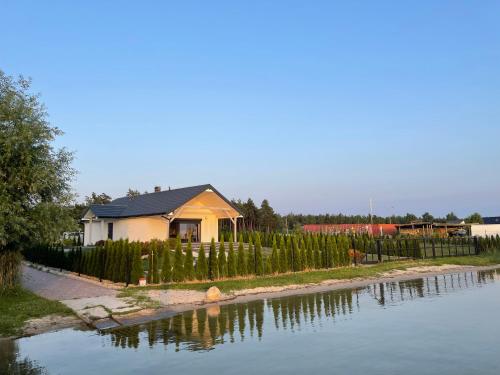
(268, 266)
(296, 254)
(282, 255)
(289, 253)
(242, 264)
(116, 261)
(317, 253)
(213, 266)
(188, 262)
(137, 269)
(149, 277)
(156, 262)
(108, 267)
(259, 261)
(275, 262)
(166, 263)
(122, 270)
(178, 272)
(221, 259)
(250, 258)
(310, 252)
(303, 257)
(231, 259)
(201, 264)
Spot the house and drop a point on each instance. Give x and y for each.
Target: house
(491, 220)
(443, 230)
(490, 227)
(192, 213)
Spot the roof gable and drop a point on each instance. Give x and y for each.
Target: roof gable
(158, 203)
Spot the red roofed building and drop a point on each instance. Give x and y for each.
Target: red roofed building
(372, 229)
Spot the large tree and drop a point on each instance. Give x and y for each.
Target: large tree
(475, 218)
(132, 193)
(267, 218)
(94, 198)
(35, 177)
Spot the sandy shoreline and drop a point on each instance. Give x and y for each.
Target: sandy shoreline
(247, 295)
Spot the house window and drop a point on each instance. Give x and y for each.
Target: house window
(110, 231)
(186, 229)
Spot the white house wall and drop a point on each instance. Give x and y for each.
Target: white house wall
(140, 229)
(482, 230)
(90, 237)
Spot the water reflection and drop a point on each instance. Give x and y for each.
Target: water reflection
(10, 363)
(205, 328)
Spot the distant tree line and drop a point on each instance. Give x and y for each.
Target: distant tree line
(265, 219)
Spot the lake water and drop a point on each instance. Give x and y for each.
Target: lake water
(437, 325)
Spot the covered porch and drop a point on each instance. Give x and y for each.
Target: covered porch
(198, 219)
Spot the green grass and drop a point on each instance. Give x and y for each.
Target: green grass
(20, 305)
(321, 275)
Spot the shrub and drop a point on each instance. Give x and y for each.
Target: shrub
(201, 264)
(178, 273)
(275, 265)
(222, 262)
(213, 267)
(242, 264)
(231, 259)
(250, 258)
(259, 265)
(166, 265)
(188, 262)
(137, 270)
(283, 263)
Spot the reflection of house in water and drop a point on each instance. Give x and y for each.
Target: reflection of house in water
(204, 328)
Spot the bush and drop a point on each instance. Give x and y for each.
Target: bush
(231, 259)
(221, 259)
(188, 263)
(178, 273)
(201, 264)
(259, 265)
(213, 266)
(242, 264)
(136, 269)
(166, 266)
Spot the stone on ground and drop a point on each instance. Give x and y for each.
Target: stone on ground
(213, 294)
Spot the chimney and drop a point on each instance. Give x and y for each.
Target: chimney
(157, 189)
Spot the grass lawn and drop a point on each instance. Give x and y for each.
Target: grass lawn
(18, 306)
(321, 275)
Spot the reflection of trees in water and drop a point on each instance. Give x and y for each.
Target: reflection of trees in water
(204, 328)
(396, 292)
(10, 363)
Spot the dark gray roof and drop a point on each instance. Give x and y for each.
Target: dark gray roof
(491, 220)
(159, 203)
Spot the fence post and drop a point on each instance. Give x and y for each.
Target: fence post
(379, 251)
(476, 245)
(433, 242)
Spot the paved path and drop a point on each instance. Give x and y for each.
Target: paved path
(56, 287)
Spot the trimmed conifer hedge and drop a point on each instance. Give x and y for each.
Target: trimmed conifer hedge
(122, 261)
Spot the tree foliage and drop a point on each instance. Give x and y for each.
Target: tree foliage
(35, 177)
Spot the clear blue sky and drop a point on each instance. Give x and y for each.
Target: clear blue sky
(317, 106)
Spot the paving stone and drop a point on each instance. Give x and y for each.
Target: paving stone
(60, 287)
